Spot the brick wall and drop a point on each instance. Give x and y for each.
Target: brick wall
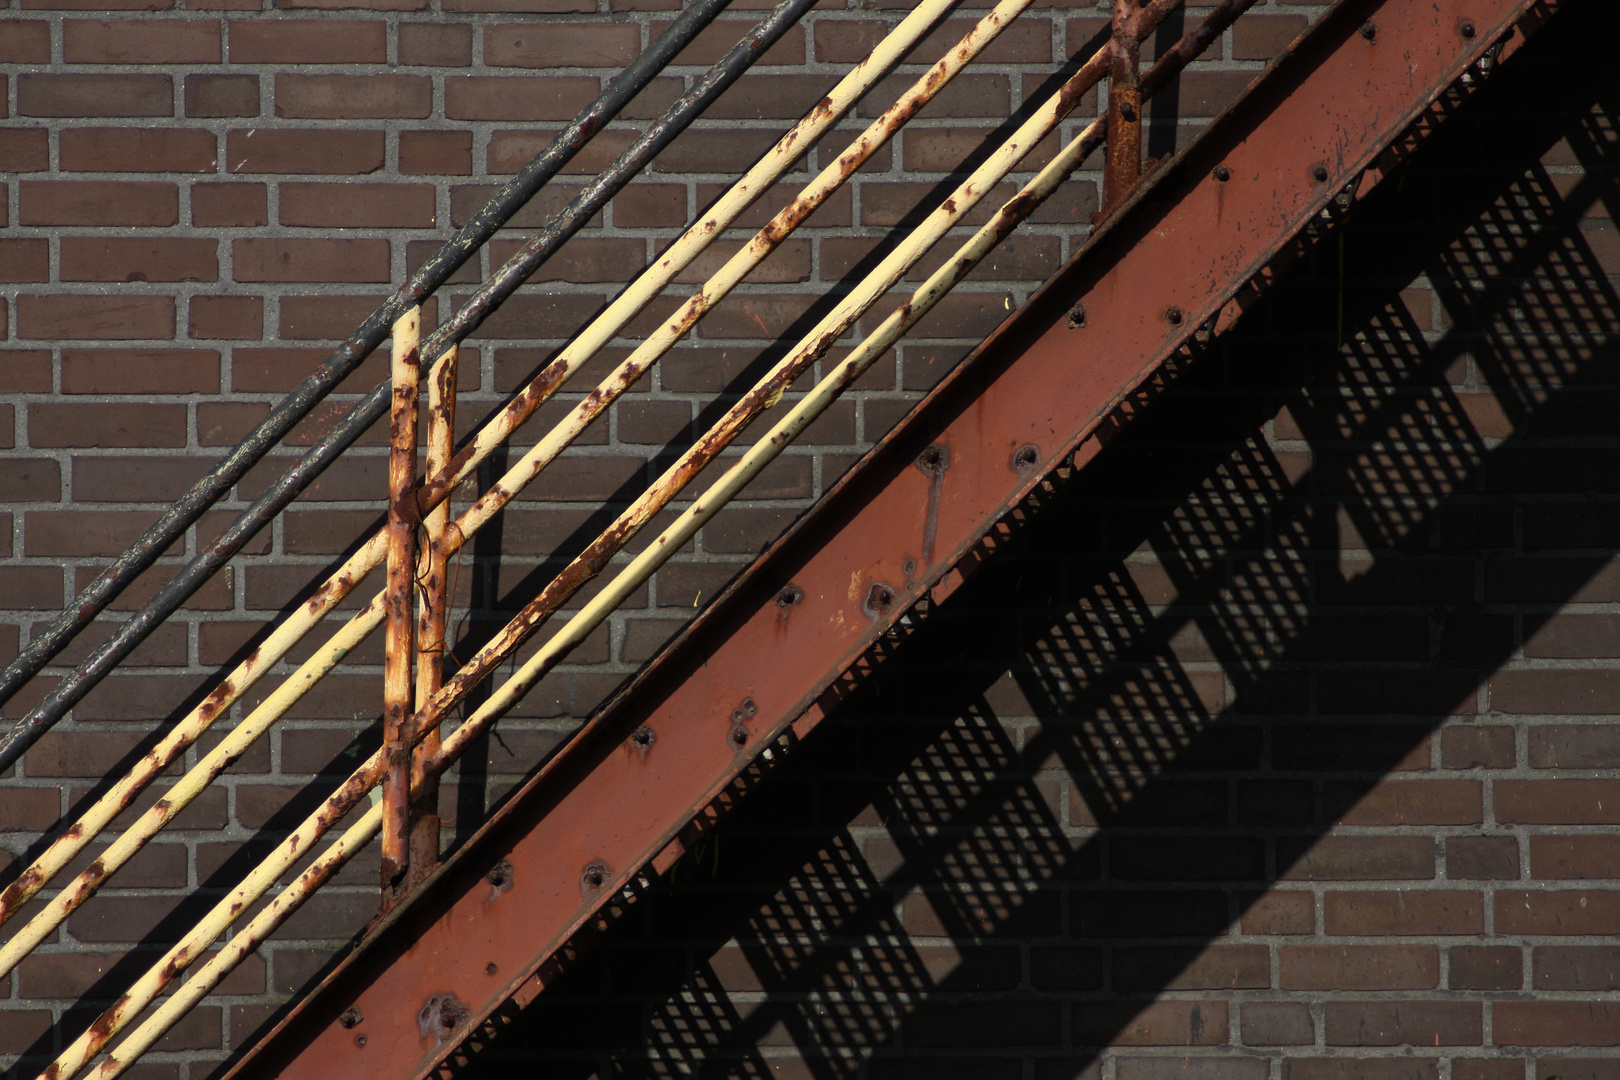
(1276, 748)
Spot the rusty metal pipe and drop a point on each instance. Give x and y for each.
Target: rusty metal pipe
(433, 618)
(399, 639)
(371, 409)
(112, 581)
(1123, 164)
(348, 576)
(800, 416)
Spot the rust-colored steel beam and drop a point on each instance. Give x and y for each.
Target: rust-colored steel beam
(767, 656)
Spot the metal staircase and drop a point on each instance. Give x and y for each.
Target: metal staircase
(1175, 259)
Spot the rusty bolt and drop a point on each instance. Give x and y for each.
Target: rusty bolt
(593, 878)
(360, 1040)
(1369, 30)
(909, 567)
(934, 460)
(351, 1017)
(1077, 316)
(790, 595)
(643, 736)
(1173, 316)
(748, 707)
(1026, 457)
(738, 736)
(500, 875)
(1466, 29)
(1222, 174)
(1127, 112)
(1319, 173)
(491, 968)
(879, 597)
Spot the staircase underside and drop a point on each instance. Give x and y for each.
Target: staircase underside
(780, 648)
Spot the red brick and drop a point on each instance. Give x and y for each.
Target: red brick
(24, 150)
(222, 95)
(371, 97)
(1557, 802)
(1566, 911)
(358, 206)
(1582, 967)
(1481, 747)
(25, 260)
(214, 205)
(1574, 746)
(98, 478)
(49, 94)
(25, 371)
(291, 150)
(517, 97)
(520, 7)
(230, 318)
(137, 150)
(310, 260)
(308, 41)
(140, 371)
(1404, 911)
(364, 5)
(1398, 1023)
(1482, 858)
(436, 44)
(1359, 967)
(227, 423)
(105, 258)
(305, 318)
(1576, 857)
(435, 153)
(141, 41)
(541, 46)
(1277, 1023)
(89, 202)
(1488, 967)
(1213, 967)
(1352, 858)
(32, 588)
(82, 425)
(1261, 37)
(1304, 1068)
(107, 318)
(1279, 912)
(1555, 1023)
(1580, 692)
(1405, 802)
(650, 206)
(981, 1023)
(510, 151)
(25, 41)
(31, 480)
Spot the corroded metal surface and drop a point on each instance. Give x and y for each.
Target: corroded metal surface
(763, 658)
(439, 268)
(399, 629)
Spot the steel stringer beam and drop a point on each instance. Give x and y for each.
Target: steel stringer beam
(766, 659)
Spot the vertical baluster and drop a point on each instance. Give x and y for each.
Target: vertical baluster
(1124, 152)
(433, 618)
(399, 628)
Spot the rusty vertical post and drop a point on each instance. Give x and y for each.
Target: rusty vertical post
(398, 629)
(433, 617)
(1124, 153)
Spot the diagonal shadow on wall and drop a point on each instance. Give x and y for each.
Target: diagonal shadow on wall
(1221, 642)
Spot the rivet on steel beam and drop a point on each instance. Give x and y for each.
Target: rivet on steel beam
(1127, 111)
(592, 878)
(1173, 316)
(1077, 316)
(1466, 29)
(1369, 30)
(499, 877)
(360, 1041)
(351, 1017)
(737, 736)
(790, 595)
(909, 568)
(642, 739)
(1222, 174)
(879, 598)
(934, 460)
(1026, 457)
(1319, 173)
(748, 707)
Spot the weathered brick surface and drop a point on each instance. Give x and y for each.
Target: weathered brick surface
(1279, 746)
